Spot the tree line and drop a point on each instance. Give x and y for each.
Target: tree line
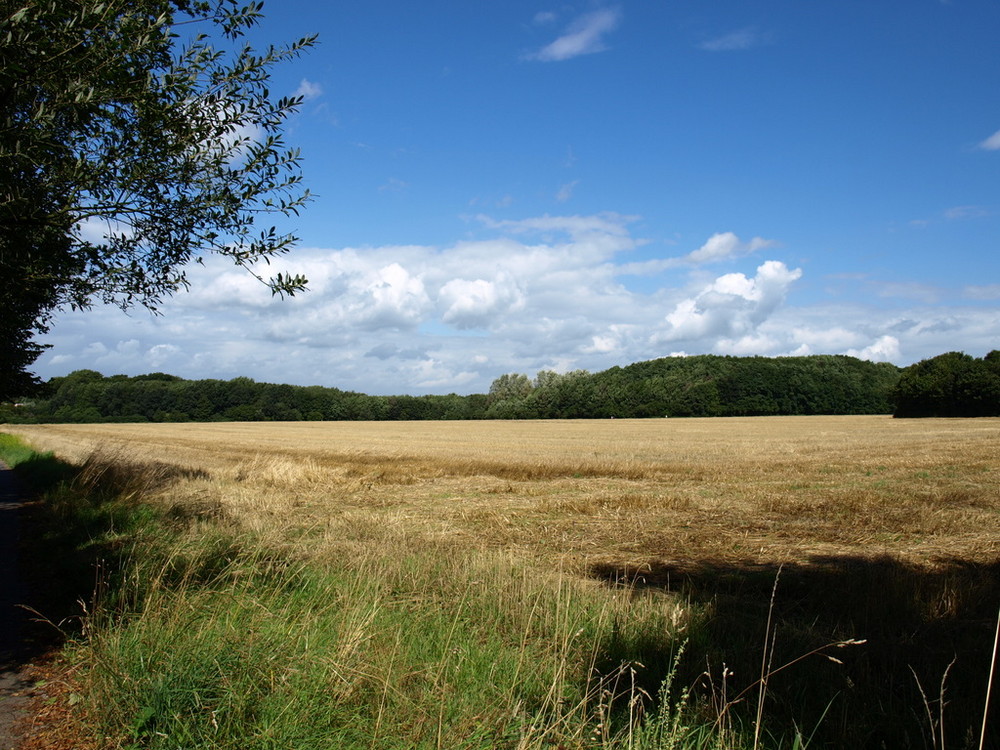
(701, 386)
(698, 386)
(950, 385)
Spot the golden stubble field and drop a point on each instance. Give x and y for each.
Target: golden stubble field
(687, 493)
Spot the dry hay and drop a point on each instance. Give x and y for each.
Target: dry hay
(748, 490)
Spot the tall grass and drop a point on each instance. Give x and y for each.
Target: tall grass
(413, 647)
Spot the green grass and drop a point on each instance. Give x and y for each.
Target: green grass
(39, 471)
(423, 649)
(14, 451)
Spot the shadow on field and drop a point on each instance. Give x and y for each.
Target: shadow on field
(29, 574)
(71, 531)
(921, 625)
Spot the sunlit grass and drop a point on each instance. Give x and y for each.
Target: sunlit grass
(756, 489)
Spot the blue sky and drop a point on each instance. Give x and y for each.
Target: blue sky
(516, 186)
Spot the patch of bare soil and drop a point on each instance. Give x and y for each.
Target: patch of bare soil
(48, 720)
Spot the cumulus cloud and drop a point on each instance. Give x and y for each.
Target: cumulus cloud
(584, 36)
(390, 351)
(615, 338)
(161, 354)
(476, 303)
(748, 345)
(514, 296)
(731, 306)
(721, 246)
(391, 298)
(834, 339)
(885, 349)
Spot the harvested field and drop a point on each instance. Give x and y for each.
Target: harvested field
(784, 537)
(684, 493)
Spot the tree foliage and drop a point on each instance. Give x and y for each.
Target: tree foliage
(707, 386)
(950, 385)
(701, 386)
(88, 396)
(136, 136)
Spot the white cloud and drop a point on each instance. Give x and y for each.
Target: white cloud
(231, 289)
(615, 339)
(885, 349)
(731, 306)
(900, 335)
(475, 304)
(584, 36)
(577, 227)
(742, 39)
(161, 354)
(308, 90)
(748, 345)
(721, 246)
(992, 143)
(531, 294)
(725, 245)
(835, 339)
(393, 298)
(97, 230)
(602, 344)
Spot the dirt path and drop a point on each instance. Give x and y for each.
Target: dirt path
(14, 683)
(19, 691)
(36, 684)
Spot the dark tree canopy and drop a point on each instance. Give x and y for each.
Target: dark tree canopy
(702, 386)
(954, 384)
(136, 136)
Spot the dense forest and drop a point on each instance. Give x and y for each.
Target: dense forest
(950, 385)
(698, 386)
